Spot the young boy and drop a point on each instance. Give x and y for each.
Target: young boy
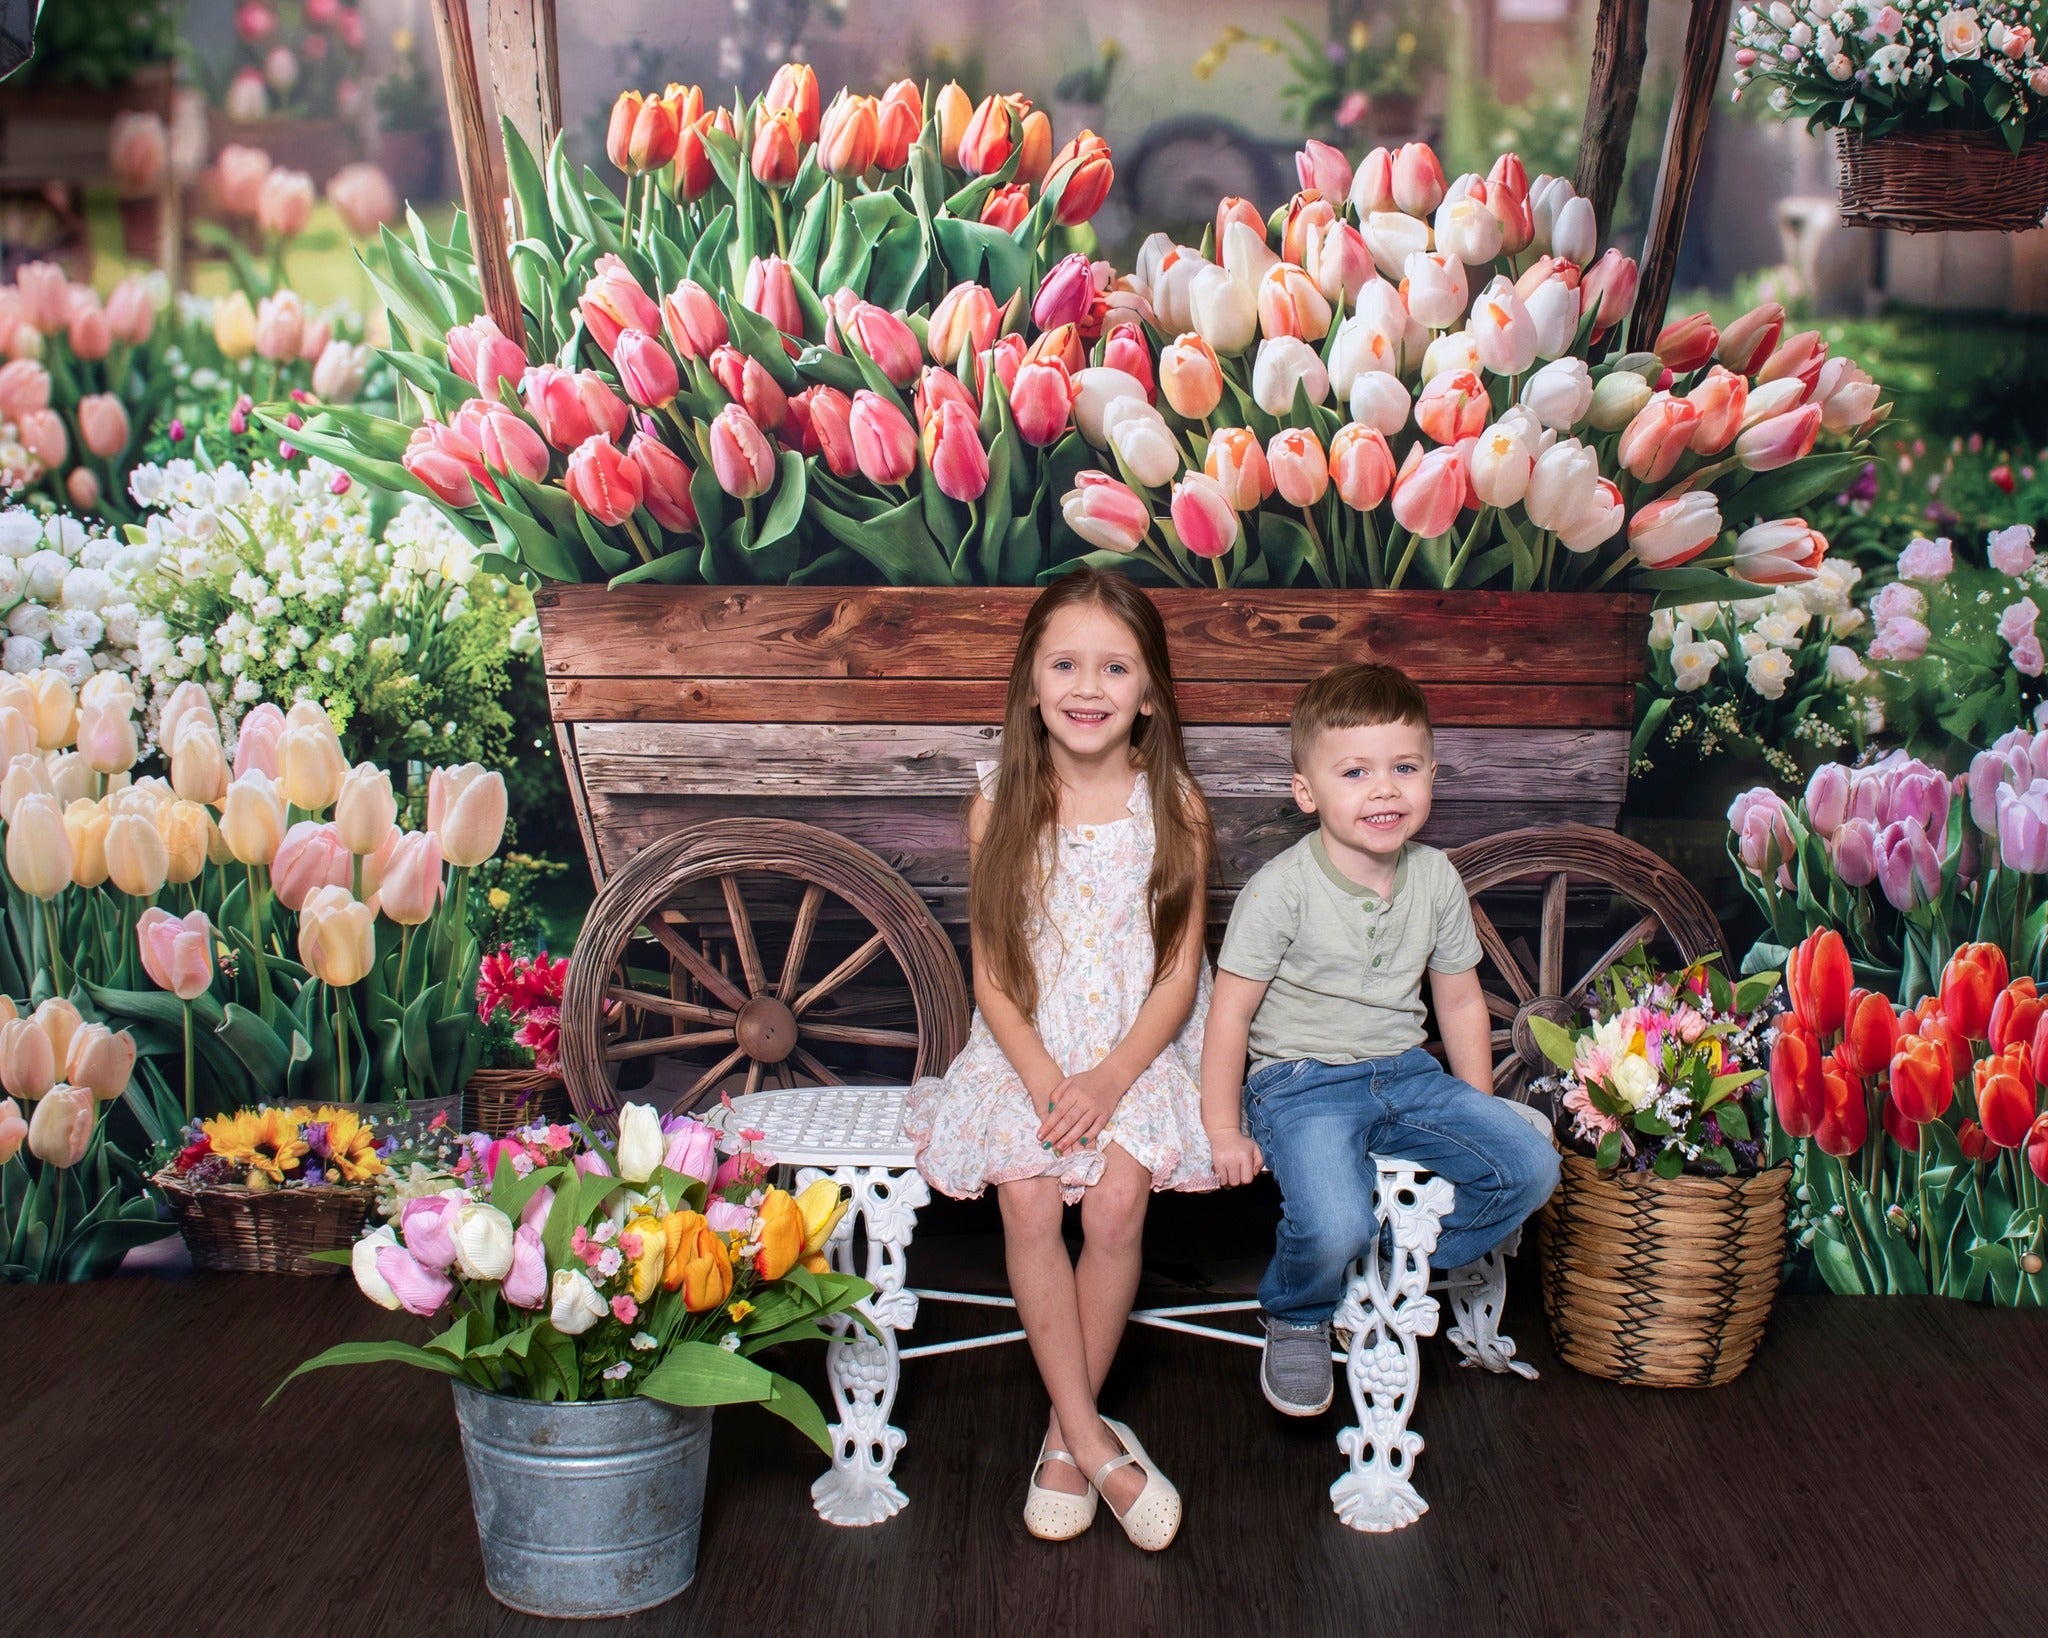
(1321, 971)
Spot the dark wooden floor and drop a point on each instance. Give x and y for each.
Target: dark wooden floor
(1882, 1469)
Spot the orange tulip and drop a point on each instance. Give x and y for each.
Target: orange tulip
(693, 173)
(1821, 980)
(1870, 1033)
(1845, 1117)
(1006, 207)
(618, 136)
(1084, 167)
(953, 111)
(1969, 988)
(778, 149)
(782, 1235)
(986, 143)
(2005, 1097)
(1797, 1092)
(2016, 1014)
(1923, 1080)
(848, 137)
(794, 91)
(697, 1263)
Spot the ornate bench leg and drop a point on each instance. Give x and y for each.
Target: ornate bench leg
(862, 1371)
(1386, 1308)
(1478, 1292)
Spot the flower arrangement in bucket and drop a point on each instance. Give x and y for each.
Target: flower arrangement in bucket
(1660, 1252)
(1939, 106)
(519, 999)
(595, 1301)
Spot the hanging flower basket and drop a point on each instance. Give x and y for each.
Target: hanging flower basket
(1943, 182)
(230, 1229)
(1661, 1282)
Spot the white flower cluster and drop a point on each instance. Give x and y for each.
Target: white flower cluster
(64, 596)
(1774, 634)
(1907, 53)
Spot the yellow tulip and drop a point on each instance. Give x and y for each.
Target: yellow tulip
(234, 325)
(186, 828)
(337, 937)
(137, 859)
(821, 1206)
(39, 847)
(782, 1236)
(647, 1268)
(253, 820)
(87, 824)
(310, 766)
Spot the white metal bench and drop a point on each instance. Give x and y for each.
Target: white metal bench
(855, 1135)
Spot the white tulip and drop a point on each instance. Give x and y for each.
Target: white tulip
(1561, 484)
(1246, 255)
(1554, 309)
(640, 1142)
(1392, 238)
(1094, 391)
(1560, 394)
(1142, 441)
(1283, 363)
(1357, 350)
(1437, 293)
(1500, 467)
(1502, 330)
(573, 1303)
(1617, 399)
(1380, 400)
(1151, 257)
(1466, 229)
(483, 1239)
(362, 1262)
(1575, 235)
(1597, 523)
(1173, 287)
(1451, 351)
(1222, 311)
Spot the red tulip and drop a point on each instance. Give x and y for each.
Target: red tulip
(936, 386)
(2016, 1015)
(1796, 1089)
(618, 137)
(985, 145)
(664, 484)
(795, 89)
(952, 448)
(656, 129)
(2005, 1098)
(646, 369)
(1821, 980)
(900, 122)
(1898, 1125)
(884, 441)
(742, 459)
(778, 149)
(1923, 1080)
(822, 419)
(693, 171)
(1685, 344)
(1845, 1116)
(1870, 1033)
(613, 301)
(603, 481)
(1042, 401)
(1751, 339)
(1969, 988)
(1006, 207)
(747, 383)
(1971, 1140)
(1085, 165)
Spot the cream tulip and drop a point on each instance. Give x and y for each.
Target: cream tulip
(56, 709)
(574, 1305)
(1561, 485)
(252, 822)
(483, 1241)
(109, 688)
(365, 810)
(362, 1262)
(60, 1021)
(1139, 435)
(26, 773)
(188, 703)
(408, 877)
(137, 859)
(1449, 353)
(641, 1144)
(187, 829)
(1618, 398)
(60, 1131)
(17, 733)
(70, 778)
(337, 937)
(1466, 229)
(466, 809)
(13, 1130)
(38, 846)
(1222, 311)
(101, 1060)
(87, 823)
(310, 766)
(1500, 463)
(199, 767)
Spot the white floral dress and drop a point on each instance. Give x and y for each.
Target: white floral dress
(1092, 950)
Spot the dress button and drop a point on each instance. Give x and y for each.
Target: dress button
(1376, 960)
(1089, 833)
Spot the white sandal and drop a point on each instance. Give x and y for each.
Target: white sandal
(1153, 1518)
(1056, 1515)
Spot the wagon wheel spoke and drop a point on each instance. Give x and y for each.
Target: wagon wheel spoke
(1503, 959)
(1550, 958)
(680, 950)
(1499, 1006)
(1641, 933)
(713, 1075)
(743, 934)
(653, 1046)
(839, 975)
(800, 940)
(753, 1075)
(817, 1071)
(668, 1006)
(1503, 1038)
(852, 1036)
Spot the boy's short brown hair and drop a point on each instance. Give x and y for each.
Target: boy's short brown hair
(1357, 696)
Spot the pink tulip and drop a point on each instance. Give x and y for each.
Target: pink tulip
(886, 339)
(750, 386)
(693, 1151)
(427, 1225)
(313, 338)
(1324, 168)
(603, 481)
(1301, 471)
(1720, 400)
(592, 1164)
(483, 355)
(1751, 339)
(137, 146)
(409, 883)
(884, 441)
(83, 488)
(103, 424)
(1797, 358)
(952, 446)
(664, 483)
(937, 386)
(613, 301)
(447, 463)
(1908, 865)
(310, 856)
(13, 1130)
(1005, 358)
(177, 952)
(823, 420)
(45, 295)
(1064, 294)
(362, 196)
(742, 459)
(1418, 179)
(1361, 466)
(1042, 402)
(1104, 512)
(771, 291)
(1609, 287)
(42, 434)
(1779, 554)
(1429, 492)
(130, 311)
(966, 318)
(1202, 516)
(1126, 350)
(1685, 344)
(1675, 529)
(1372, 185)
(24, 386)
(508, 444)
(1761, 821)
(1660, 434)
(419, 1289)
(90, 335)
(526, 1285)
(1827, 799)
(1780, 440)
(60, 1130)
(284, 203)
(1454, 406)
(691, 316)
(280, 323)
(1854, 850)
(256, 746)
(572, 406)
(646, 369)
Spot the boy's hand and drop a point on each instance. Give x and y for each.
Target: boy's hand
(1237, 1158)
(1079, 1108)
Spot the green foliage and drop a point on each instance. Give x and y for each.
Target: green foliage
(101, 43)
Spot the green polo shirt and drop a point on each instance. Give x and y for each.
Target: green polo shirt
(1343, 966)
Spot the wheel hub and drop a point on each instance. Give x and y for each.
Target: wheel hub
(1555, 1008)
(766, 1030)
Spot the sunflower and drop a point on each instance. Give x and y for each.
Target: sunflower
(277, 1145)
(233, 1136)
(351, 1145)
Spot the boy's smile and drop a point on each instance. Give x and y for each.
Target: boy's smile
(1369, 788)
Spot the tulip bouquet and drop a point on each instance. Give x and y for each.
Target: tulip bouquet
(1916, 1133)
(72, 1204)
(1879, 68)
(572, 1269)
(1657, 1079)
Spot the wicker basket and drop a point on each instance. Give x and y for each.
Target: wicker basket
(500, 1099)
(1667, 1284)
(1943, 182)
(233, 1230)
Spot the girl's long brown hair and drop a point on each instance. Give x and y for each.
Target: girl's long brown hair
(1008, 883)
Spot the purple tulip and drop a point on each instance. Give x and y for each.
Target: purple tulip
(692, 1150)
(1855, 852)
(2023, 829)
(526, 1286)
(1866, 796)
(2027, 752)
(1990, 773)
(428, 1227)
(1763, 833)
(1908, 867)
(1920, 793)
(418, 1288)
(1827, 799)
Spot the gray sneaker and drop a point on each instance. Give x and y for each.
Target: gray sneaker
(1294, 1371)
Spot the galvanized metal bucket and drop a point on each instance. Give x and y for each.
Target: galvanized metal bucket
(584, 1509)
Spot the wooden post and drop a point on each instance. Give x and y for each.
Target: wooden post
(473, 159)
(1620, 38)
(1685, 140)
(526, 75)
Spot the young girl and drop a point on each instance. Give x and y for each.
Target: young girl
(1089, 851)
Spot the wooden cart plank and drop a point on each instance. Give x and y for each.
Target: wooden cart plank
(980, 700)
(950, 633)
(772, 761)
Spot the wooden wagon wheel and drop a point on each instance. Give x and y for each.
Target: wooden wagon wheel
(1647, 902)
(742, 996)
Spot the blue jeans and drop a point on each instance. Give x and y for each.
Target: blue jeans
(1319, 1126)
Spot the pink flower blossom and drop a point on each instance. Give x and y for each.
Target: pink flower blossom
(1932, 561)
(624, 1309)
(1898, 602)
(2012, 550)
(1900, 639)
